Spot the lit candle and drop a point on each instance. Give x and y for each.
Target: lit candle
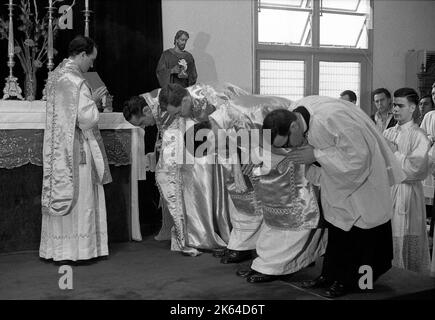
(10, 2)
(86, 5)
(50, 3)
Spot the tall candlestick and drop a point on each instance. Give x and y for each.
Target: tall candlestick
(50, 55)
(12, 89)
(11, 31)
(87, 14)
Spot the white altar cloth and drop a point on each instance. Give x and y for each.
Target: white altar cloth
(20, 115)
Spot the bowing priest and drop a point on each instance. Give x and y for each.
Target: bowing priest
(353, 165)
(290, 238)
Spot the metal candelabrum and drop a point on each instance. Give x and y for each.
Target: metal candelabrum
(87, 14)
(50, 52)
(12, 88)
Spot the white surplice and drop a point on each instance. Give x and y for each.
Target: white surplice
(81, 234)
(357, 166)
(428, 125)
(410, 239)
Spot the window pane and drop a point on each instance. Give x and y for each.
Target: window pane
(335, 77)
(343, 30)
(360, 6)
(282, 78)
(284, 27)
(286, 3)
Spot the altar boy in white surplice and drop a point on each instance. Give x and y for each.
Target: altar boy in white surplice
(410, 146)
(74, 223)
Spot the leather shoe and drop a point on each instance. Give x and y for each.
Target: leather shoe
(219, 253)
(236, 256)
(319, 282)
(244, 273)
(336, 290)
(260, 277)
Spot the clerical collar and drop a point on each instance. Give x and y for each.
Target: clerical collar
(407, 125)
(304, 116)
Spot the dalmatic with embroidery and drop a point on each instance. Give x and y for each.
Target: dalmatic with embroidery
(289, 239)
(169, 174)
(287, 198)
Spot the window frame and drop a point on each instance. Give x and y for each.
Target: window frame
(314, 54)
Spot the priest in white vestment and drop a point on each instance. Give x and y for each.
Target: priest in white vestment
(74, 225)
(243, 112)
(195, 201)
(290, 238)
(411, 146)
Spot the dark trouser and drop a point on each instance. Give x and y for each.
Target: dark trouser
(431, 213)
(348, 251)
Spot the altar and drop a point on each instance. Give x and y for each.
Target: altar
(22, 126)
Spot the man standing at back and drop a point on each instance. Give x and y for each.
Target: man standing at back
(176, 65)
(74, 225)
(383, 118)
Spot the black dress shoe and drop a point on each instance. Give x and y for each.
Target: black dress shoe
(236, 256)
(320, 282)
(64, 263)
(336, 290)
(260, 277)
(244, 273)
(219, 253)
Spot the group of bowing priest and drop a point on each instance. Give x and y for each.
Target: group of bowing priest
(274, 209)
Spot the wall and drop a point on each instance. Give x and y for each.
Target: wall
(223, 33)
(399, 26)
(220, 37)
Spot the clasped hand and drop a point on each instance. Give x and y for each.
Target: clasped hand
(392, 146)
(176, 69)
(98, 94)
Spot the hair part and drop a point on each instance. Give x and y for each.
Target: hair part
(410, 94)
(134, 107)
(81, 44)
(412, 97)
(279, 121)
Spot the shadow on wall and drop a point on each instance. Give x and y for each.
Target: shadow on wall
(204, 62)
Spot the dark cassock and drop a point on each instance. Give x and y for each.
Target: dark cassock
(171, 58)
